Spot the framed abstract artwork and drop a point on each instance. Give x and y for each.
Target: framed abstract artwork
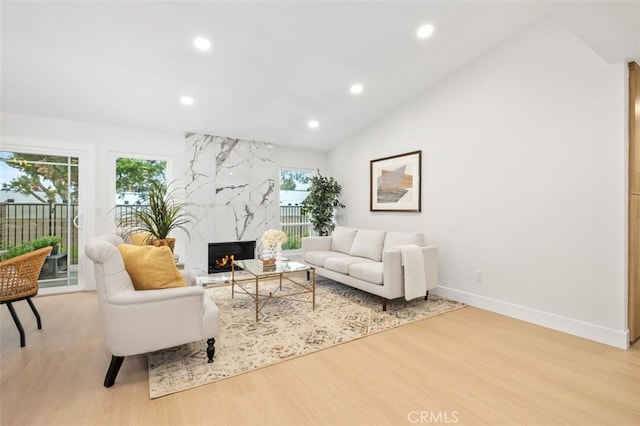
(396, 183)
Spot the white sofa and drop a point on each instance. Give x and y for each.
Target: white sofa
(140, 321)
(368, 259)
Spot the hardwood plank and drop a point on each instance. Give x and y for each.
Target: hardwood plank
(634, 131)
(634, 202)
(478, 366)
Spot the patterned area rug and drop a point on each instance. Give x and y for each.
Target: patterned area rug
(286, 329)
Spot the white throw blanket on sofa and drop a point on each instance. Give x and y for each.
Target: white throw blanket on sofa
(415, 282)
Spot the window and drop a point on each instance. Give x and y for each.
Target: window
(294, 188)
(132, 184)
(39, 195)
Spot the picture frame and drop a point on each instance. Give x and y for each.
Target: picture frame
(396, 183)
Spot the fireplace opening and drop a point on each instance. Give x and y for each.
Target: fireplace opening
(221, 254)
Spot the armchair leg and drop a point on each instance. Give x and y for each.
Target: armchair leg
(384, 304)
(12, 311)
(112, 372)
(35, 312)
(211, 350)
(426, 296)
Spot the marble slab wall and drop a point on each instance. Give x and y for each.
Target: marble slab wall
(231, 188)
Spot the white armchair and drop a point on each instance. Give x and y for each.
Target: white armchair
(136, 322)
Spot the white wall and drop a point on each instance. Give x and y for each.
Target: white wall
(524, 179)
(300, 159)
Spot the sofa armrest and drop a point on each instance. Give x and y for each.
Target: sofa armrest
(316, 244)
(431, 266)
(187, 273)
(132, 297)
(141, 321)
(394, 275)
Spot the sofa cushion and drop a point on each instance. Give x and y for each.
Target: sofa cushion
(393, 239)
(342, 239)
(342, 264)
(150, 267)
(318, 257)
(372, 272)
(368, 243)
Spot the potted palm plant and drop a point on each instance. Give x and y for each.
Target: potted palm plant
(321, 201)
(163, 214)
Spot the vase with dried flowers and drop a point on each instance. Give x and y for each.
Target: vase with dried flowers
(272, 241)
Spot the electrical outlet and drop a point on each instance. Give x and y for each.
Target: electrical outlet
(479, 276)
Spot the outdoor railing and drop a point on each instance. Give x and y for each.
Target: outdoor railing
(295, 225)
(125, 214)
(24, 222)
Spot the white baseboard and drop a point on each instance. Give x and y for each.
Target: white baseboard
(608, 336)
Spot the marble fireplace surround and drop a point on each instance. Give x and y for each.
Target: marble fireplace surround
(230, 187)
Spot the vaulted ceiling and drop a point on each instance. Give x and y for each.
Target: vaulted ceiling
(272, 67)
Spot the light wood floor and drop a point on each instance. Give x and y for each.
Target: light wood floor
(466, 367)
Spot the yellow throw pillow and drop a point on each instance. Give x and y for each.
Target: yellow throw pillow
(151, 267)
(140, 238)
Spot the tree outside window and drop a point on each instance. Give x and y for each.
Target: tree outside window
(133, 177)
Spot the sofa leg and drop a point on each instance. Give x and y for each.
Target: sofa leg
(384, 304)
(426, 296)
(112, 372)
(211, 349)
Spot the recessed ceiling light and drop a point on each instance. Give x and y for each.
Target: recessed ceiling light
(356, 88)
(201, 43)
(313, 124)
(425, 31)
(186, 100)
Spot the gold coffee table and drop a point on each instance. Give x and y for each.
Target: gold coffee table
(283, 271)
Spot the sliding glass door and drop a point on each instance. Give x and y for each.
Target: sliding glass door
(39, 196)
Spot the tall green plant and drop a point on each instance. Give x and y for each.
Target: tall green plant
(163, 213)
(322, 199)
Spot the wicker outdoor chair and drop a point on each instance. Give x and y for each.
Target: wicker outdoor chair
(19, 281)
